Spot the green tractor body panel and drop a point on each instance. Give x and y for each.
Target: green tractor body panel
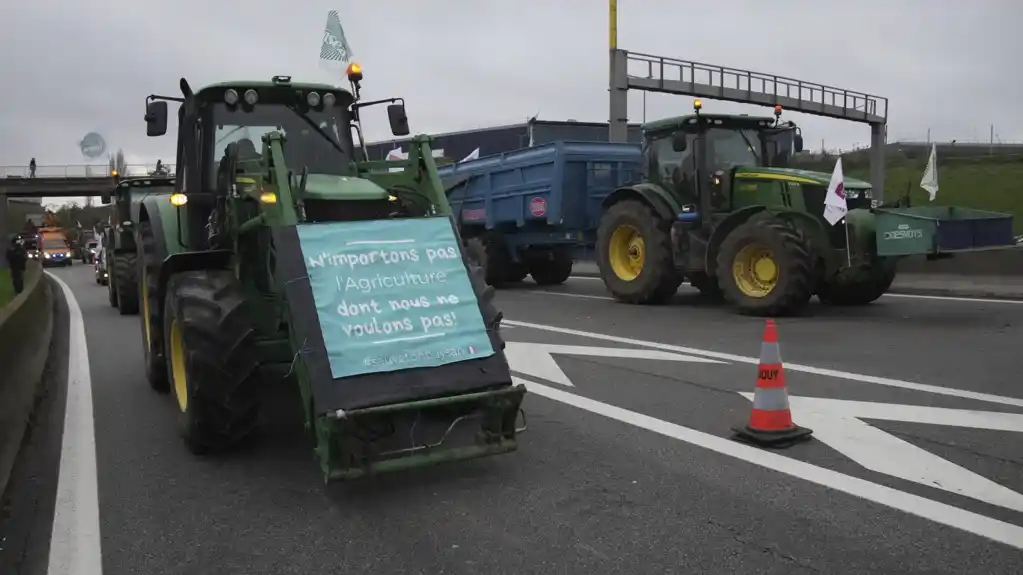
(236, 248)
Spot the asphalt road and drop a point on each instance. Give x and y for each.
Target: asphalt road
(585, 493)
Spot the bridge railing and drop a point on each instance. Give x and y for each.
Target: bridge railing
(79, 171)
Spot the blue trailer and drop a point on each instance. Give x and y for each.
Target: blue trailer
(529, 211)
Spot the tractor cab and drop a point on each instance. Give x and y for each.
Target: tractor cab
(223, 142)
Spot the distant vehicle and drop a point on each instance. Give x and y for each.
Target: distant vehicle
(100, 267)
(89, 253)
(55, 248)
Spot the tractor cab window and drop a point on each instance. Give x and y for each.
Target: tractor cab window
(731, 148)
(779, 147)
(309, 134)
(673, 170)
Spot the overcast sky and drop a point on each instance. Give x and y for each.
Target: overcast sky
(69, 68)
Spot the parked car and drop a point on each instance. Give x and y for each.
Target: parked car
(100, 267)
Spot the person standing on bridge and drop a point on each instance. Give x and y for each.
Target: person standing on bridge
(16, 260)
(32, 168)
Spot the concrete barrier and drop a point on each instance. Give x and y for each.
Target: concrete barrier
(26, 328)
(993, 263)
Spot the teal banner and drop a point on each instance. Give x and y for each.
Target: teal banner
(392, 295)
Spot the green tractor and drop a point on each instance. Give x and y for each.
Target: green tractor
(297, 261)
(120, 251)
(718, 207)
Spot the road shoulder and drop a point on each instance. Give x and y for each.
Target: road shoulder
(26, 519)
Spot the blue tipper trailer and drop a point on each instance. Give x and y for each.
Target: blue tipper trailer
(530, 211)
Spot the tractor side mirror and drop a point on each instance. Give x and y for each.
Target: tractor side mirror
(104, 198)
(678, 141)
(398, 119)
(156, 118)
(798, 143)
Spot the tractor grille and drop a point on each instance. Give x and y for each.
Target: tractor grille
(347, 211)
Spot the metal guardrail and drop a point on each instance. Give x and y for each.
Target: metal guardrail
(658, 68)
(79, 171)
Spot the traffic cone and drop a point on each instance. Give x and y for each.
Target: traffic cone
(770, 423)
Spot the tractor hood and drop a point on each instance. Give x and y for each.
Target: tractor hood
(334, 187)
(806, 176)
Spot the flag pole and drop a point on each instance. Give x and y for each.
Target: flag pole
(848, 248)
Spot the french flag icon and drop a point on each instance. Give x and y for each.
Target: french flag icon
(472, 350)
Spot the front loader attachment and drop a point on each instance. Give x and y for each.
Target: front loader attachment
(397, 347)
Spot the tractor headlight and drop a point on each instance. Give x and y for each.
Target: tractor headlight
(251, 97)
(329, 99)
(313, 99)
(231, 97)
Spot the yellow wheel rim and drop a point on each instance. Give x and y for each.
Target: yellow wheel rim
(145, 310)
(755, 271)
(178, 372)
(626, 252)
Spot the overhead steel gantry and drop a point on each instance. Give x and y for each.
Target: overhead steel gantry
(686, 78)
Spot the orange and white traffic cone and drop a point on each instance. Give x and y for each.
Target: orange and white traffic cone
(770, 423)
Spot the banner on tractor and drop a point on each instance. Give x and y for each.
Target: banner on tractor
(392, 295)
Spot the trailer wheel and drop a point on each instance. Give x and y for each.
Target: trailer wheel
(127, 276)
(552, 267)
(151, 310)
(211, 359)
(634, 254)
(765, 268)
(862, 287)
(490, 253)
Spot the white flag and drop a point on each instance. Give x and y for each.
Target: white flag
(835, 207)
(474, 155)
(930, 180)
(335, 53)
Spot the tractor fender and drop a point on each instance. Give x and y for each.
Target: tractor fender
(188, 261)
(654, 196)
(721, 231)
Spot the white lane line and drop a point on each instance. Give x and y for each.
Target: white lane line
(75, 541)
(857, 377)
(902, 295)
(938, 512)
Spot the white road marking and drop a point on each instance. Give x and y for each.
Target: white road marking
(535, 359)
(75, 541)
(839, 423)
(834, 373)
(938, 512)
(904, 295)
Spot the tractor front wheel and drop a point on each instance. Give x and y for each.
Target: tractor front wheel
(634, 254)
(765, 268)
(211, 359)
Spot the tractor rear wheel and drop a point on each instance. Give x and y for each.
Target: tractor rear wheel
(151, 309)
(861, 287)
(552, 267)
(127, 276)
(766, 268)
(634, 254)
(211, 359)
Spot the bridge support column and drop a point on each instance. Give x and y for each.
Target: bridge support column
(618, 87)
(878, 142)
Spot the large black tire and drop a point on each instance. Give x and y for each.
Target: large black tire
(127, 280)
(490, 253)
(211, 359)
(707, 285)
(861, 287)
(793, 260)
(658, 280)
(151, 309)
(552, 267)
(108, 261)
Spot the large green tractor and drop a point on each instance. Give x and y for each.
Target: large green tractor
(718, 207)
(236, 293)
(120, 251)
